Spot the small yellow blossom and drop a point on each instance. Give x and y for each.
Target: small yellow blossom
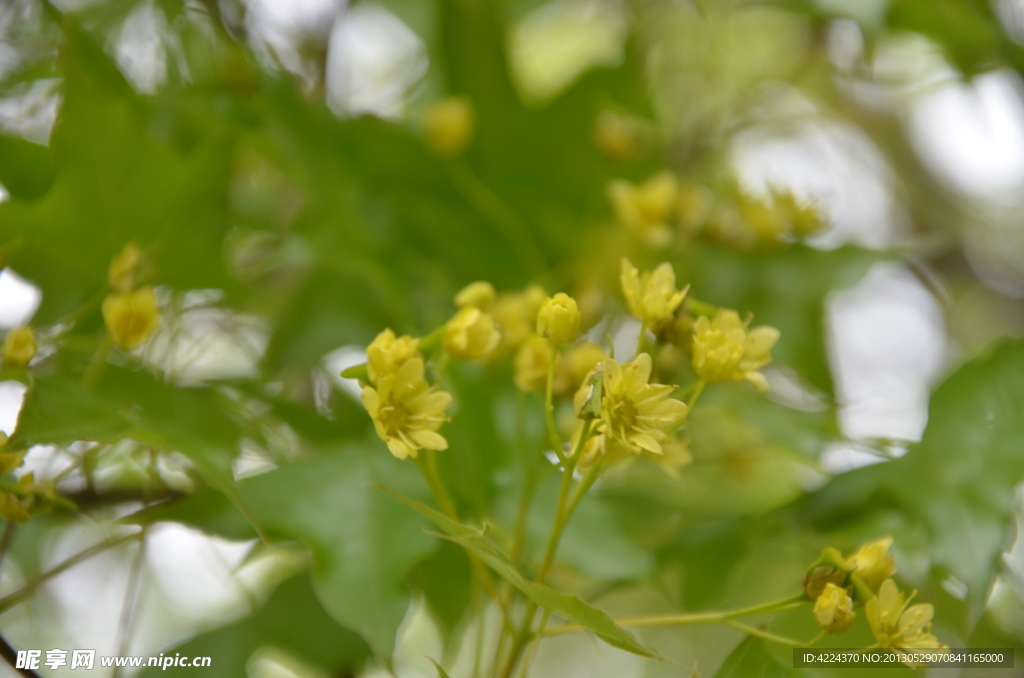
(19, 347)
(819, 577)
(897, 626)
(9, 459)
(834, 609)
(406, 411)
(634, 413)
(575, 364)
(386, 354)
(559, 319)
(533, 360)
(449, 126)
(123, 274)
(768, 223)
(131, 317)
(724, 350)
(470, 334)
(648, 208)
(873, 563)
(617, 136)
(516, 315)
(480, 294)
(653, 296)
(805, 217)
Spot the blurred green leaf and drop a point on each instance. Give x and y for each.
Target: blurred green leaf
(959, 481)
(444, 578)
(570, 607)
(26, 170)
(362, 543)
(291, 620)
(751, 659)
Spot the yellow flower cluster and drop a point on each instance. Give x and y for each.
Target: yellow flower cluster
(18, 348)
(406, 411)
(725, 350)
(652, 296)
(897, 626)
(130, 313)
(834, 609)
(633, 413)
(648, 209)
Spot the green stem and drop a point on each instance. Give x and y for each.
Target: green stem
(696, 617)
(428, 466)
(549, 404)
(696, 394)
(99, 361)
(562, 516)
(765, 635)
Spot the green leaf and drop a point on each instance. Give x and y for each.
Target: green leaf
(569, 607)
(27, 169)
(362, 543)
(440, 671)
(751, 659)
(292, 620)
(444, 578)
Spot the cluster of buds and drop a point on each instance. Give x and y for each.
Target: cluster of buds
(662, 209)
(838, 585)
(130, 310)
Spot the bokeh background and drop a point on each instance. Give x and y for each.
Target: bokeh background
(270, 154)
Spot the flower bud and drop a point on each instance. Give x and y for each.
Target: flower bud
(386, 354)
(470, 334)
(480, 294)
(131, 317)
(533, 360)
(873, 563)
(817, 578)
(19, 347)
(834, 609)
(449, 126)
(559, 319)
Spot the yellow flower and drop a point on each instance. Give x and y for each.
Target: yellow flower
(575, 364)
(407, 411)
(9, 459)
(768, 222)
(617, 136)
(652, 297)
(532, 362)
(897, 626)
(647, 208)
(123, 274)
(449, 126)
(480, 294)
(873, 563)
(19, 347)
(805, 217)
(470, 334)
(834, 609)
(724, 350)
(386, 354)
(131, 317)
(516, 315)
(559, 319)
(635, 414)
